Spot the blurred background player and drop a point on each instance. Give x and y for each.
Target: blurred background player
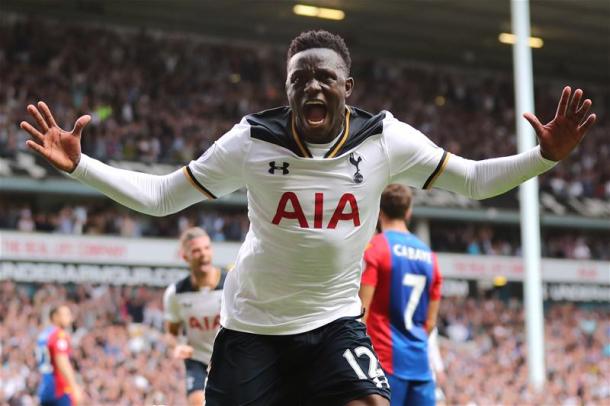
(193, 303)
(401, 290)
(58, 386)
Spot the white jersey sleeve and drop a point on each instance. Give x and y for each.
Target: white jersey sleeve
(171, 309)
(413, 158)
(157, 195)
(220, 170)
(416, 161)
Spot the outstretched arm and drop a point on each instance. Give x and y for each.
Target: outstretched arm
(150, 194)
(491, 177)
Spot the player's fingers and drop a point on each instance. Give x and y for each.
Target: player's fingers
(584, 127)
(47, 114)
(533, 120)
(80, 124)
(37, 148)
(583, 110)
(38, 117)
(575, 102)
(32, 131)
(563, 102)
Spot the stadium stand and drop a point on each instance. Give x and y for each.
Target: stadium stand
(484, 351)
(189, 92)
(117, 338)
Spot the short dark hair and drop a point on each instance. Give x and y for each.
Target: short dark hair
(320, 39)
(396, 201)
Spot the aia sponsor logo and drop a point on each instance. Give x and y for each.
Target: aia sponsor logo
(204, 323)
(289, 208)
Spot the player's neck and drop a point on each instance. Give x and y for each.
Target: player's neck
(394, 225)
(208, 278)
(332, 134)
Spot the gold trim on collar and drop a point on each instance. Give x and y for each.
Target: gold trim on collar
(303, 148)
(297, 137)
(345, 135)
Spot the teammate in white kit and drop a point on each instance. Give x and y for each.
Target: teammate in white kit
(314, 171)
(193, 303)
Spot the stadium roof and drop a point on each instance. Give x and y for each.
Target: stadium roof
(576, 34)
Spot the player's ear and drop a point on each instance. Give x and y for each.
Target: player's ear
(349, 86)
(408, 215)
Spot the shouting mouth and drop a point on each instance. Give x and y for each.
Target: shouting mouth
(314, 112)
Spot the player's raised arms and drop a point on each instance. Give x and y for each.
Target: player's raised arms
(162, 195)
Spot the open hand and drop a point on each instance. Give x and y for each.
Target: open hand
(61, 148)
(563, 133)
(183, 351)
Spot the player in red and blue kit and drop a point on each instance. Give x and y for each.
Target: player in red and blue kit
(58, 386)
(400, 290)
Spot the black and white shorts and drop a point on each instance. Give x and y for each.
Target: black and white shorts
(196, 375)
(328, 366)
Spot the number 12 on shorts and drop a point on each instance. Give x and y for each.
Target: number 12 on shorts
(375, 373)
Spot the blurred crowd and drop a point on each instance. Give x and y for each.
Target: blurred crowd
(122, 358)
(109, 219)
(502, 240)
(483, 346)
(165, 97)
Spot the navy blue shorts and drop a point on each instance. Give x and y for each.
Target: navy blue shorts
(196, 374)
(328, 366)
(64, 400)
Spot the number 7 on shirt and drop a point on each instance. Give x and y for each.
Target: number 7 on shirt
(417, 283)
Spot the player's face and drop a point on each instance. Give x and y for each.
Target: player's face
(198, 253)
(317, 86)
(63, 317)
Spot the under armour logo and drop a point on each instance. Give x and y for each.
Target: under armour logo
(284, 167)
(358, 178)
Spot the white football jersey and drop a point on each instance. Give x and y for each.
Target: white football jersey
(199, 312)
(310, 219)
